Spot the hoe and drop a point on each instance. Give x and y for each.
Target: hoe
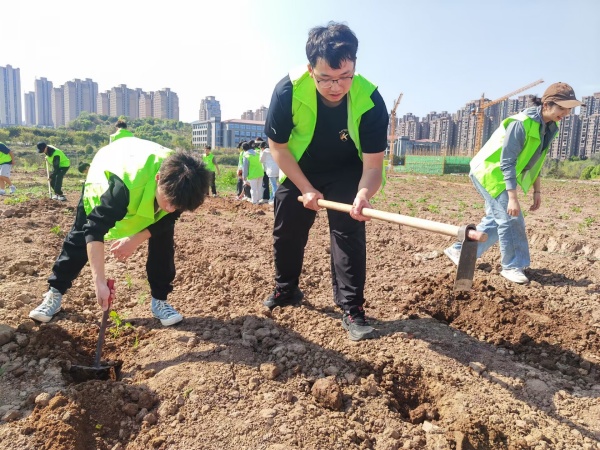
(467, 235)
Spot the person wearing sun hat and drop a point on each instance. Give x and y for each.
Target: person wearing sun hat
(514, 155)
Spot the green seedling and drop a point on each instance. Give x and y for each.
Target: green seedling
(422, 199)
(187, 392)
(119, 326)
(433, 208)
(56, 230)
(576, 209)
(128, 281)
(462, 205)
(564, 216)
(136, 343)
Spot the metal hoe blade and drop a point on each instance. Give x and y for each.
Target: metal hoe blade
(466, 263)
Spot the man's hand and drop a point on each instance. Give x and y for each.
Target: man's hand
(358, 204)
(537, 201)
(103, 293)
(310, 199)
(123, 248)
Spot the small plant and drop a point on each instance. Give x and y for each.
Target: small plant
(422, 199)
(587, 222)
(141, 299)
(462, 205)
(576, 209)
(433, 208)
(136, 342)
(564, 216)
(119, 326)
(56, 230)
(187, 392)
(128, 280)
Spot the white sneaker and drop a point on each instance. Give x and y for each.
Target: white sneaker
(2, 192)
(453, 254)
(515, 275)
(61, 198)
(49, 307)
(166, 313)
(12, 189)
(55, 197)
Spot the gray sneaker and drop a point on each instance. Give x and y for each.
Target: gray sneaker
(165, 313)
(452, 254)
(357, 326)
(49, 307)
(12, 189)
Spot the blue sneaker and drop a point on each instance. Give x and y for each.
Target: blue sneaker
(49, 307)
(166, 313)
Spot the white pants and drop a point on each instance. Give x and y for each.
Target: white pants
(256, 189)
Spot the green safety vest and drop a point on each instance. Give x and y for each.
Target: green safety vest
(485, 166)
(209, 161)
(255, 168)
(136, 162)
(304, 111)
(121, 133)
(5, 158)
(64, 161)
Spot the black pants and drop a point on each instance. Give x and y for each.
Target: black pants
(56, 180)
(160, 266)
(213, 184)
(266, 186)
(348, 238)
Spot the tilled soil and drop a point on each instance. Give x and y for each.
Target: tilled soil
(503, 366)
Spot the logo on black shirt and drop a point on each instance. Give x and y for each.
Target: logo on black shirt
(344, 135)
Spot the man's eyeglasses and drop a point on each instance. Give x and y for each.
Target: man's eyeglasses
(326, 84)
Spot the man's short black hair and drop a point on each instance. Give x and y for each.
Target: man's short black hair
(83, 166)
(333, 43)
(207, 147)
(184, 180)
(121, 124)
(41, 146)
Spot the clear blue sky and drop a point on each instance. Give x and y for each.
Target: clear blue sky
(439, 54)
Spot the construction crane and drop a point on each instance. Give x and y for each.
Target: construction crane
(393, 132)
(483, 105)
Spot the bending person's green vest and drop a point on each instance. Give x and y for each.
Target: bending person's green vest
(136, 162)
(304, 111)
(485, 166)
(121, 133)
(63, 160)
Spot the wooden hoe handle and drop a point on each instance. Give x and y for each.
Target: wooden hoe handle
(414, 222)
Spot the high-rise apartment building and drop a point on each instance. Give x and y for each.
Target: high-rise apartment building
(43, 103)
(29, 109)
(57, 101)
(10, 96)
(166, 104)
(261, 114)
(79, 96)
(146, 104)
(209, 107)
(103, 103)
(566, 142)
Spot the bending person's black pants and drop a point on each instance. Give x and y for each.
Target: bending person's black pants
(56, 180)
(160, 266)
(347, 236)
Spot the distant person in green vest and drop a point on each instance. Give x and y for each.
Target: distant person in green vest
(252, 172)
(121, 132)
(327, 130)
(134, 192)
(514, 156)
(7, 160)
(60, 165)
(211, 166)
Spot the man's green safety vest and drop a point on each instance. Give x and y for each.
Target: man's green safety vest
(255, 168)
(4, 157)
(121, 133)
(208, 162)
(63, 162)
(304, 111)
(485, 166)
(136, 162)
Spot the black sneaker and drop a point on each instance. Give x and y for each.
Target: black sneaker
(357, 326)
(284, 297)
